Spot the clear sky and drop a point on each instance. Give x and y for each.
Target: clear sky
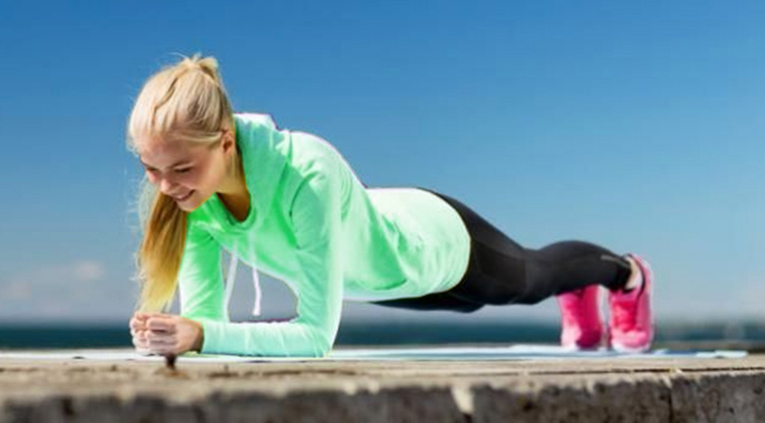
(635, 125)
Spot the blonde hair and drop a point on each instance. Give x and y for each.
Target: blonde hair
(184, 102)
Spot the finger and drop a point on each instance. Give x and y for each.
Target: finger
(163, 349)
(161, 343)
(160, 339)
(142, 331)
(146, 315)
(160, 325)
(136, 324)
(139, 342)
(141, 316)
(143, 351)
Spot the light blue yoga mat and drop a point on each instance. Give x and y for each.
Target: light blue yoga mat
(509, 353)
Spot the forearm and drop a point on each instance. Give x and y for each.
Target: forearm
(279, 339)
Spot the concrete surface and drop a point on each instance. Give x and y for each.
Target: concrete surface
(577, 390)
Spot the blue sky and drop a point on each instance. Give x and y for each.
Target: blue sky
(635, 125)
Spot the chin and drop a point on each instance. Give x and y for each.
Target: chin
(188, 208)
(192, 203)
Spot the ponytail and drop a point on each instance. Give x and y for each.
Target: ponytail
(185, 102)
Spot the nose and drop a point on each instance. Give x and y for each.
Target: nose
(166, 186)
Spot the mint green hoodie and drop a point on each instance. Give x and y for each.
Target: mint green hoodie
(315, 226)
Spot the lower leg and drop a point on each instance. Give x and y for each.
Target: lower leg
(571, 265)
(505, 274)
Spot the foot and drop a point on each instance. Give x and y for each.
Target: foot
(631, 323)
(582, 323)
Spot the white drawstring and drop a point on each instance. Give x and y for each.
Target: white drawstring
(230, 284)
(256, 281)
(230, 278)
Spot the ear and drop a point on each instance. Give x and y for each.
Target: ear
(228, 142)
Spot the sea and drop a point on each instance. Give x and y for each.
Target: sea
(78, 336)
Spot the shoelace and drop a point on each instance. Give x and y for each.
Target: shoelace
(230, 284)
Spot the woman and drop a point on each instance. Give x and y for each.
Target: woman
(288, 203)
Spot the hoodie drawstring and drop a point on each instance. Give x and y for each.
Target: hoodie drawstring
(230, 284)
(256, 281)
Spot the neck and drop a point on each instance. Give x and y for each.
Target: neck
(234, 184)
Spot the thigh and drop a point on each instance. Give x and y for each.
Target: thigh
(480, 229)
(496, 271)
(493, 277)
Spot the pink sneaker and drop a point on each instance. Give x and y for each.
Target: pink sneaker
(582, 323)
(631, 323)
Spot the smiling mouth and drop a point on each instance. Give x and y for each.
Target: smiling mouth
(185, 197)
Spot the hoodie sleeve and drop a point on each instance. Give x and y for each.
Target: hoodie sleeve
(200, 278)
(315, 219)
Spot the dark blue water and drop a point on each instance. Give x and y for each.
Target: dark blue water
(70, 336)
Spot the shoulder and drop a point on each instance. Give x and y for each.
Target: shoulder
(312, 153)
(249, 120)
(305, 151)
(258, 131)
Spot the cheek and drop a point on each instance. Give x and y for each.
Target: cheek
(187, 179)
(201, 178)
(211, 176)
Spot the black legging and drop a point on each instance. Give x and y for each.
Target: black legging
(500, 271)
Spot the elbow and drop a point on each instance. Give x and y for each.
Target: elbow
(323, 350)
(322, 344)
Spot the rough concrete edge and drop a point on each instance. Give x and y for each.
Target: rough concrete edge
(658, 397)
(671, 397)
(729, 397)
(399, 404)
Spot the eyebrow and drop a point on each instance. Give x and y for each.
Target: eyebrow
(180, 163)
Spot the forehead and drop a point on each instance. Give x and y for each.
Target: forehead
(161, 153)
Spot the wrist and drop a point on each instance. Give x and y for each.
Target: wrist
(200, 338)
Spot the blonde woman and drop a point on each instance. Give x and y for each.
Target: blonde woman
(287, 203)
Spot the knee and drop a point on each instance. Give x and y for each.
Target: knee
(531, 299)
(508, 293)
(518, 291)
(468, 308)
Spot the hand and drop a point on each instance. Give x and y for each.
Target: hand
(166, 334)
(138, 331)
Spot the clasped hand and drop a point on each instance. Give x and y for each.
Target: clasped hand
(165, 334)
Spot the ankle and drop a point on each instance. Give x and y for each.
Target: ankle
(635, 279)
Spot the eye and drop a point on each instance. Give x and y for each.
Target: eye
(150, 174)
(183, 170)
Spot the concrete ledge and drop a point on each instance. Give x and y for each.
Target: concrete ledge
(398, 405)
(660, 390)
(730, 397)
(634, 399)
